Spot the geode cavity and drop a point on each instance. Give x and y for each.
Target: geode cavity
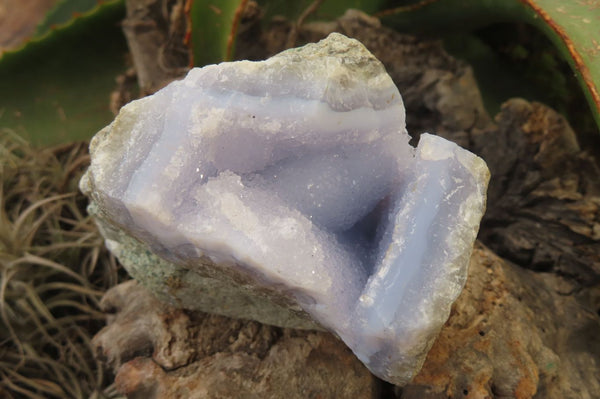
(286, 191)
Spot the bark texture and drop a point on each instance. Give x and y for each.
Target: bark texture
(164, 352)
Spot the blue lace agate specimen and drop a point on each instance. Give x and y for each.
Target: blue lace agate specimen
(286, 191)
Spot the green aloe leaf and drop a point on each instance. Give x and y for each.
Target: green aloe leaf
(323, 10)
(64, 12)
(571, 25)
(57, 87)
(214, 27)
(215, 22)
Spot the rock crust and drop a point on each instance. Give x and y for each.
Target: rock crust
(291, 181)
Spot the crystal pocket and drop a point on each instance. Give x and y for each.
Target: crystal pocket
(286, 191)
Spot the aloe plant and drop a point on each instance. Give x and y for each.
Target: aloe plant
(56, 87)
(63, 13)
(214, 26)
(570, 25)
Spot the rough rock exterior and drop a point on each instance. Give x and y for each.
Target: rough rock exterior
(286, 188)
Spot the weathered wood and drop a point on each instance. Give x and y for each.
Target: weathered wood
(543, 204)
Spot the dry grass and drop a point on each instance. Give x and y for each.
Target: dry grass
(53, 272)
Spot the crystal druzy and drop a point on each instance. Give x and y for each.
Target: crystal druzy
(286, 191)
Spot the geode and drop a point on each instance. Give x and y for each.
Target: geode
(286, 191)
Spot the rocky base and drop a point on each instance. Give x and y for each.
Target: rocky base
(162, 352)
(505, 338)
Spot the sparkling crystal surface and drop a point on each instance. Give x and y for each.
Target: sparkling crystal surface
(292, 179)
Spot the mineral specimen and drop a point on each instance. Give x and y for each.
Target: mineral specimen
(286, 191)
